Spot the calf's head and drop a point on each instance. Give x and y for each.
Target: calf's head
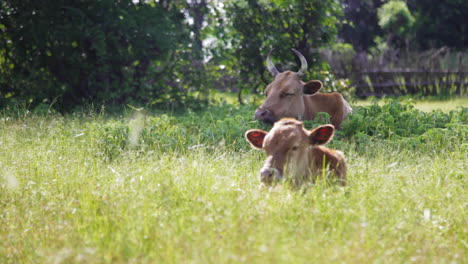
(284, 94)
(286, 145)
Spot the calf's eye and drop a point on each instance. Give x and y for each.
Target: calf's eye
(294, 148)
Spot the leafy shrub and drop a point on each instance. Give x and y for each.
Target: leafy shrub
(396, 119)
(401, 126)
(216, 127)
(111, 138)
(392, 124)
(331, 83)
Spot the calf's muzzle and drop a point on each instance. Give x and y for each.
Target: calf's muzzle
(269, 175)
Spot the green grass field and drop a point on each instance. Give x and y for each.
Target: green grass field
(183, 188)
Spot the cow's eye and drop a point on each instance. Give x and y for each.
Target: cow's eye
(294, 148)
(287, 94)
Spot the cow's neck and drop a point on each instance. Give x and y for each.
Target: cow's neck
(311, 105)
(320, 102)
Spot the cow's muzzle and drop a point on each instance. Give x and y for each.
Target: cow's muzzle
(265, 115)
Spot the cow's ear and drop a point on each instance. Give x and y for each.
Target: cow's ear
(321, 135)
(255, 137)
(312, 87)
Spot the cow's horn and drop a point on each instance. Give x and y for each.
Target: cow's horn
(303, 63)
(271, 67)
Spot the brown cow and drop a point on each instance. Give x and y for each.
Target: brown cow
(288, 96)
(293, 149)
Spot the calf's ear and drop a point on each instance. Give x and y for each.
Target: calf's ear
(312, 87)
(255, 137)
(321, 135)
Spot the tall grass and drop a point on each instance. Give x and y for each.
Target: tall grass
(169, 188)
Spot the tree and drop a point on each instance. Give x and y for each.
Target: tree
(249, 29)
(361, 25)
(440, 23)
(88, 50)
(397, 21)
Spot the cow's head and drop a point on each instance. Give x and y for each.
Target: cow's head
(284, 94)
(287, 143)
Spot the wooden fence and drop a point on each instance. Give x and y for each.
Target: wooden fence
(402, 82)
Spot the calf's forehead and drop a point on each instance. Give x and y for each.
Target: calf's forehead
(285, 133)
(288, 124)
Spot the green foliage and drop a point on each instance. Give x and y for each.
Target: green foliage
(340, 57)
(396, 119)
(95, 51)
(223, 126)
(360, 26)
(440, 23)
(170, 53)
(214, 127)
(251, 29)
(430, 23)
(396, 19)
(401, 124)
(412, 52)
(343, 48)
(335, 76)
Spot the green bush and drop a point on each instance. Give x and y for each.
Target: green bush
(396, 119)
(404, 127)
(216, 127)
(222, 127)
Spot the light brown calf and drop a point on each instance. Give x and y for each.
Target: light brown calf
(296, 151)
(288, 96)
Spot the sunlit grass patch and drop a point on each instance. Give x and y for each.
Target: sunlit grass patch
(427, 105)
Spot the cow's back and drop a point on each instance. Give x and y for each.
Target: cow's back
(332, 103)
